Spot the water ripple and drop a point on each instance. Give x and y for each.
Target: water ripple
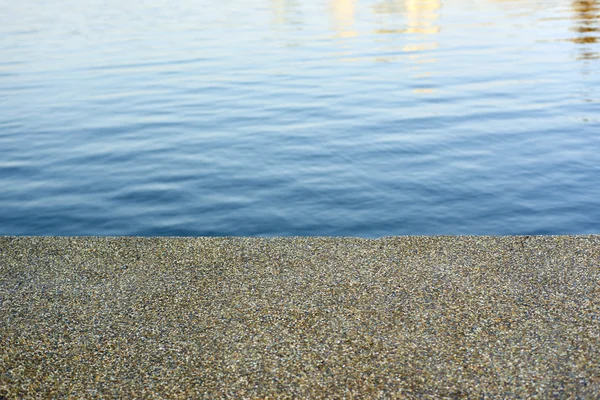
(314, 118)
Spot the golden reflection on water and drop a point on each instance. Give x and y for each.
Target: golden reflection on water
(409, 26)
(405, 17)
(422, 16)
(586, 14)
(344, 15)
(407, 29)
(422, 21)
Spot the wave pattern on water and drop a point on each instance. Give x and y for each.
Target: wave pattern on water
(300, 118)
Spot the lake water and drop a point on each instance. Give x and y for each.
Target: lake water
(288, 117)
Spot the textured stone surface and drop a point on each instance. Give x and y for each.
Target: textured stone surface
(415, 317)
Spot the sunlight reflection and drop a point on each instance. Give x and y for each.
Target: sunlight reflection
(344, 15)
(422, 16)
(422, 20)
(587, 17)
(408, 26)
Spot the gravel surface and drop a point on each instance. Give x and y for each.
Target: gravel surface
(399, 317)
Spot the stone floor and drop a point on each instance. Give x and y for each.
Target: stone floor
(398, 317)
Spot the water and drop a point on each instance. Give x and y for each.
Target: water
(286, 117)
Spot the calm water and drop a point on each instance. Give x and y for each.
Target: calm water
(288, 117)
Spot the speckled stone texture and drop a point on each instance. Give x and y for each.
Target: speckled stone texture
(400, 317)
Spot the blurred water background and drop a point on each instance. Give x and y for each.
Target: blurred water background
(290, 117)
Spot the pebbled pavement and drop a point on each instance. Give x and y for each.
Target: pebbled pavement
(398, 317)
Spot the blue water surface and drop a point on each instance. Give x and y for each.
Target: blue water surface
(286, 117)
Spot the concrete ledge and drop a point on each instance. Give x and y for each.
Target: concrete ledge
(408, 317)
